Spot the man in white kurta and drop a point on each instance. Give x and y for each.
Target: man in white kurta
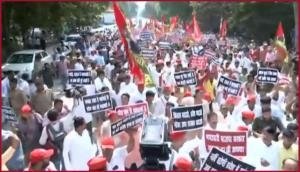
(77, 151)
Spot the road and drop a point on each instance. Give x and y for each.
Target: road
(57, 88)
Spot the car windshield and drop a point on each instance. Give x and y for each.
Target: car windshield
(72, 39)
(20, 58)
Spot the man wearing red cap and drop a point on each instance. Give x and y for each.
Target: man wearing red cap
(30, 129)
(116, 157)
(40, 160)
(98, 163)
(183, 163)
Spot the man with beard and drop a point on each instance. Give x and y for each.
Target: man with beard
(40, 160)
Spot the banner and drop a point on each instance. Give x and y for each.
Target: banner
(218, 160)
(9, 114)
(231, 142)
(103, 44)
(230, 86)
(267, 75)
(79, 77)
(98, 102)
(127, 122)
(187, 118)
(185, 78)
(130, 109)
(198, 62)
(148, 53)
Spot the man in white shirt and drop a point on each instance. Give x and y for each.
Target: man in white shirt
(140, 94)
(77, 148)
(128, 86)
(102, 81)
(78, 65)
(267, 151)
(116, 157)
(162, 101)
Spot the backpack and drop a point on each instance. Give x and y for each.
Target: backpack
(56, 138)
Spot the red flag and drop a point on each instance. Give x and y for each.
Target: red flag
(173, 22)
(197, 32)
(189, 28)
(223, 29)
(280, 32)
(121, 23)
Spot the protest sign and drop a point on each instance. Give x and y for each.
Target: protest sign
(198, 62)
(142, 43)
(98, 102)
(130, 109)
(148, 53)
(146, 35)
(164, 45)
(232, 142)
(197, 50)
(103, 43)
(79, 77)
(185, 78)
(267, 75)
(9, 114)
(127, 122)
(219, 160)
(187, 118)
(229, 85)
(209, 54)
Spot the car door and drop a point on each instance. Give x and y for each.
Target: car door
(46, 57)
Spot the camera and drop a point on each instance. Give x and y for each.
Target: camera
(75, 92)
(153, 143)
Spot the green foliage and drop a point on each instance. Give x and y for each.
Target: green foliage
(152, 9)
(129, 8)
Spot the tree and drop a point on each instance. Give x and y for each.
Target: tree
(152, 10)
(129, 8)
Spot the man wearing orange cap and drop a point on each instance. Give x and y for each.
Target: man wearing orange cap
(140, 94)
(40, 160)
(97, 164)
(29, 128)
(183, 163)
(116, 157)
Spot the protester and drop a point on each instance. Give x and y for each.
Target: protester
(77, 147)
(40, 160)
(42, 99)
(17, 98)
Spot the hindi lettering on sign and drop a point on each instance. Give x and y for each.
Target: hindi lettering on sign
(219, 160)
(146, 35)
(97, 103)
(9, 114)
(164, 45)
(79, 77)
(231, 142)
(148, 53)
(129, 121)
(229, 85)
(187, 118)
(129, 109)
(185, 78)
(198, 62)
(267, 75)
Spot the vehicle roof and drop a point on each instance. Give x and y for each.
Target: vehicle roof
(31, 51)
(74, 35)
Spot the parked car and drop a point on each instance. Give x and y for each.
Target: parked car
(23, 61)
(72, 39)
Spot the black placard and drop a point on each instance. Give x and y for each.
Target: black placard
(127, 122)
(267, 75)
(79, 77)
(185, 78)
(187, 118)
(148, 53)
(145, 35)
(143, 43)
(230, 86)
(164, 45)
(9, 114)
(98, 102)
(103, 44)
(219, 160)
